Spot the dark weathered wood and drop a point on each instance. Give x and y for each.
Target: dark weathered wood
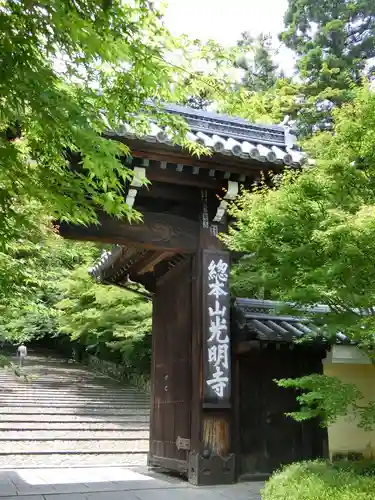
(216, 434)
(172, 464)
(267, 438)
(156, 232)
(148, 262)
(236, 420)
(166, 191)
(171, 369)
(184, 179)
(196, 362)
(208, 470)
(210, 460)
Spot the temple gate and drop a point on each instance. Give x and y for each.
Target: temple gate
(175, 255)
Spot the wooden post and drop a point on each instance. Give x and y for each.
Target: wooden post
(210, 460)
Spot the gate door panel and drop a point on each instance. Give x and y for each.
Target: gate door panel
(268, 438)
(171, 371)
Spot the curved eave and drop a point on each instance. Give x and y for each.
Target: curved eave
(226, 146)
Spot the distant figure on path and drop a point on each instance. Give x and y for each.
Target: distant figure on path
(22, 353)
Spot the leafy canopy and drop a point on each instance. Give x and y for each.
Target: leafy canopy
(69, 72)
(309, 237)
(60, 302)
(95, 314)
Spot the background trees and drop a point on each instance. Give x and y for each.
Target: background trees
(260, 69)
(334, 42)
(56, 303)
(309, 237)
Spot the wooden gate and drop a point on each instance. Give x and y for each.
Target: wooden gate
(268, 438)
(171, 370)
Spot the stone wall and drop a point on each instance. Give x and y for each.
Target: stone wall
(116, 371)
(108, 368)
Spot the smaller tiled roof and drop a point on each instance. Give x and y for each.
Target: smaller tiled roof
(107, 259)
(260, 318)
(229, 136)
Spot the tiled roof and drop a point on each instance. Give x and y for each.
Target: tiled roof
(108, 258)
(261, 319)
(230, 136)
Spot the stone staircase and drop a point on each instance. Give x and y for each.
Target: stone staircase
(67, 416)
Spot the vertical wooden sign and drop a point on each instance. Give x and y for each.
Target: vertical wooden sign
(216, 325)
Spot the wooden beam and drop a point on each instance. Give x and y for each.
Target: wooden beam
(148, 262)
(183, 178)
(158, 231)
(161, 191)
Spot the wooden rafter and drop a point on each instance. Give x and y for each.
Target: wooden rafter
(148, 262)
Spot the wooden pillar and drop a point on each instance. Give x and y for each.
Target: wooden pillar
(210, 458)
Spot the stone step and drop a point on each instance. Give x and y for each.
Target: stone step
(30, 399)
(37, 396)
(51, 377)
(36, 377)
(73, 426)
(37, 417)
(82, 404)
(52, 410)
(67, 416)
(73, 446)
(41, 396)
(71, 389)
(74, 398)
(73, 460)
(81, 434)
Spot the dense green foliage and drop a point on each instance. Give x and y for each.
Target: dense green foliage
(113, 323)
(310, 238)
(69, 72)
(319, 481)
(329, 398)
(334, 42)
(311, 234)
(55, 298)
(268, 106)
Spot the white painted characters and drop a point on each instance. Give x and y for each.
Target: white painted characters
(218, 382)
(218, 270)
(218, 338)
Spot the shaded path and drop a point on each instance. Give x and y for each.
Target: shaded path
(113, 483)
(68, 416)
